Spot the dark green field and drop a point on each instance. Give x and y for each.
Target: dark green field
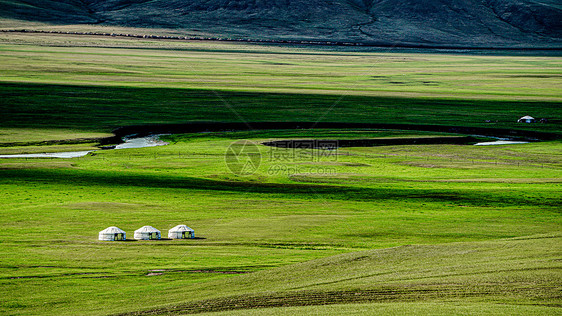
(413, 229)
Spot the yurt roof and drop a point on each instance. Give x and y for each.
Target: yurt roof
(527, 117)
(147, 229)
(112, 230)
(181, 228)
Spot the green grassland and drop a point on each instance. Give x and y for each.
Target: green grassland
(117, 82)
(417, 229)
(364, 198)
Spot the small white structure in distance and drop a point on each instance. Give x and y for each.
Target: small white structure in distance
(181, 232)
(526, 119)
(147, 233)
(112, 234)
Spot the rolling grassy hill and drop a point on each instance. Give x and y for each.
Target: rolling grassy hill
(519, 271)
(497, 23)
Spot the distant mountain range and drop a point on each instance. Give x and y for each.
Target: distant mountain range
(463, 23)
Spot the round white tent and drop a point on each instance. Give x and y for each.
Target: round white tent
(526, 119)
(112, 234)
(147, 233)
(181, 232)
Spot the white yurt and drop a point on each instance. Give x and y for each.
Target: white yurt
(147, 233)
(181, 232)
(112, 234)
(526, 119)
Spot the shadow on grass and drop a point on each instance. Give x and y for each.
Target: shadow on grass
(269, 190)
(98, 108)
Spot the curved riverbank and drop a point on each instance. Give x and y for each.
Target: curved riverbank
(371, 142)
(72, 141)
(124, 143)
(129, 136)
(197, 127)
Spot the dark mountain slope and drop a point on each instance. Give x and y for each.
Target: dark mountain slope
(66, 11)
(473, 22)
(431, 22)
(269, 19)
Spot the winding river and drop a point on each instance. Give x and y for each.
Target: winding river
(154, 140)
(133, 142)
(500, 142)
